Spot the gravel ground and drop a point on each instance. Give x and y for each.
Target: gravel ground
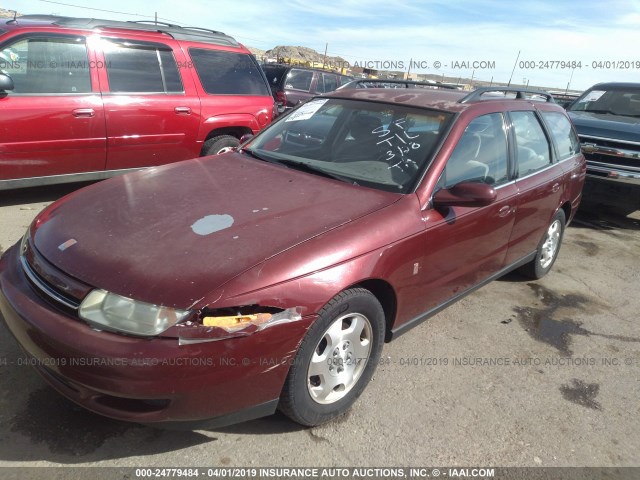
(519, 373)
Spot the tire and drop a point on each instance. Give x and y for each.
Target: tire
(219, 144)
(336, 359)
(547, 249)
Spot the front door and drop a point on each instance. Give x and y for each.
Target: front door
(470, 243)
(52, 122)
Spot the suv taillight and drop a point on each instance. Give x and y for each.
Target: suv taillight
(281, 98)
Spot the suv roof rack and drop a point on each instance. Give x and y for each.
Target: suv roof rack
(194, 34)
(520, 93)
(400, 83)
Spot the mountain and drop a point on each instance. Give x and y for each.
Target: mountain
(304, 54)
(7, 13)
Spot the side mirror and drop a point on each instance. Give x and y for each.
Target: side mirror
(245, 138)
(6, 82)
(465, 194)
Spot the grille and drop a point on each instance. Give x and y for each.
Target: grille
(614, 153)
(46, 290)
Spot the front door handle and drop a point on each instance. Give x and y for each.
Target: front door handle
(84, 112)
(183, 110)
(504, 211)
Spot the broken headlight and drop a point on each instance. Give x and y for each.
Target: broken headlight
(115, 312)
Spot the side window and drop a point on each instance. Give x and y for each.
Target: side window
(532, 146)
(228, 73)
(344, 80)
(481, 154)
(563, 134)
(327, 83)
(42, 65)
(141, 68)
(299, 80)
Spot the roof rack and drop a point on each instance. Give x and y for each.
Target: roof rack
(360, 83)
(193, 34)
(520, 93)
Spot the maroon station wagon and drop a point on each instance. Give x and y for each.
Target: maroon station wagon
(226, 287)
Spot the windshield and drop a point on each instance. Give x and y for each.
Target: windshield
(371, 144)
(619, 101)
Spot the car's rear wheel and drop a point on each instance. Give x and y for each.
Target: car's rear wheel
(336, 358)
(219, 144)
(547, 249)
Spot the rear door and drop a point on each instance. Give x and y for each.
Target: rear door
(567, 149)
(539, 179)
(52, 123)
(152, 111)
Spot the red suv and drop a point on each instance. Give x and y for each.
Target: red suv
(85, 99)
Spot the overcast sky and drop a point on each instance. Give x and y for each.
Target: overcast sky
(602, 35)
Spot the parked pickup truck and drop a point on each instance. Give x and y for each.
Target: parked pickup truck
(607, 118)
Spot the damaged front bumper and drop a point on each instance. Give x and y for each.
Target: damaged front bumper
(149, 380)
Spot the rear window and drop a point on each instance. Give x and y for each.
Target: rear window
(228, 73)
(533, 151)
(327, 82)
(299, 80)
(566, 140)
(274, 74)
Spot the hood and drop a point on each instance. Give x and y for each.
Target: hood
(173, 234)
(607, 126)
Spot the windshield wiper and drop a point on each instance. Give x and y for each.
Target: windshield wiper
(253, 154)
(609, 112)
(600, 111)
(305, 167)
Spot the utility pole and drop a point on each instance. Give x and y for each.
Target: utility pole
(514, 68)
(568, 84)
(324, 60)
(156, 18)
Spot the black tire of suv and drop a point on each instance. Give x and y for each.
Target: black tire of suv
(214, 145)
(534, 269)
(296, 401)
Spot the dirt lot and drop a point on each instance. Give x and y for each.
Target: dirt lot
(518, 374)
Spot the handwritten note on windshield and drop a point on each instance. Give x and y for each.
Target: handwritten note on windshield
(400, 144)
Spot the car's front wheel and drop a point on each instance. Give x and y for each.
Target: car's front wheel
(547, 249)
(219, 144)
(336, 358)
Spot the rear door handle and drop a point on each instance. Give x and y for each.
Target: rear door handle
(555, 188)
(84, 112)
(183, 110)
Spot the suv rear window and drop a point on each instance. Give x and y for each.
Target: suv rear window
(141, 68)
(274, 74)
(228, 73)
(299, 80)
